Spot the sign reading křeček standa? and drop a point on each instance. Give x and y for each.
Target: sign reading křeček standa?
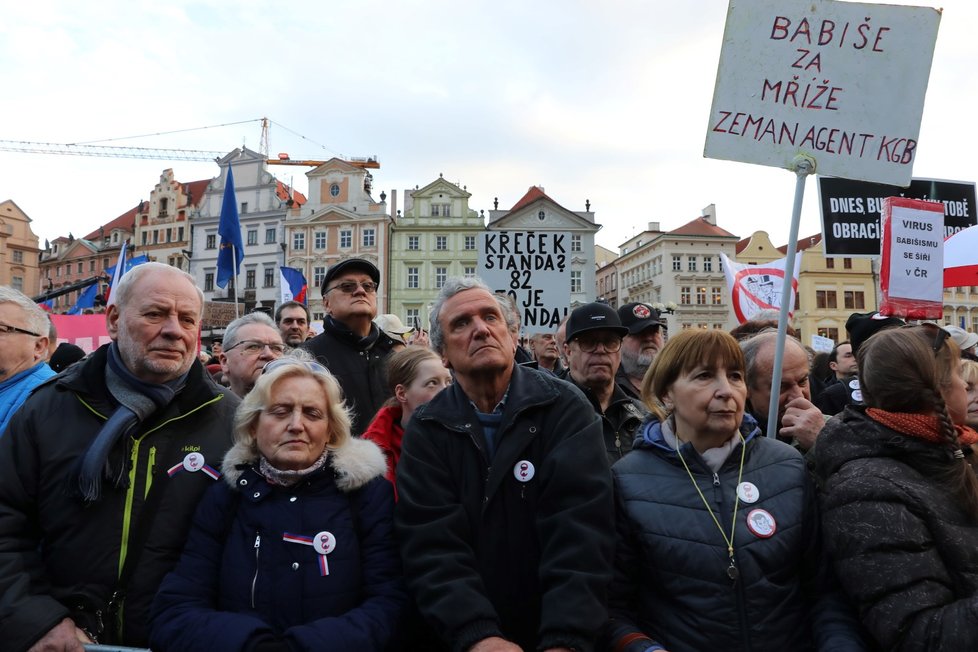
(840, 82)
(533, 267)
(851, 211)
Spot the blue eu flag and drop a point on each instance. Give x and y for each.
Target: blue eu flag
(231, 253)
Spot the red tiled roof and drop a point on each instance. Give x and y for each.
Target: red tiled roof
(196, 190)
(533, 194)
(743, 244)
(124, 221)
(282, 192)
(700, 226)
(804, 243)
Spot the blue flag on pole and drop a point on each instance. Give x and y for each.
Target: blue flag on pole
(231, 253)
(86, 299)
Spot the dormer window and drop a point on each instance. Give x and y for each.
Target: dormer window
(163, 206)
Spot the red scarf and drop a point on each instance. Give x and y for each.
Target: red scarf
(921, 426)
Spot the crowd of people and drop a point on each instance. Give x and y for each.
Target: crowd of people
(378, 486)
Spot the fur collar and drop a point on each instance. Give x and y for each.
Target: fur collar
(355, 463)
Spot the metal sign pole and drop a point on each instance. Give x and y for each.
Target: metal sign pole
(803, 167)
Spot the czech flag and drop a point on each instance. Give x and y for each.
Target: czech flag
(294, 285)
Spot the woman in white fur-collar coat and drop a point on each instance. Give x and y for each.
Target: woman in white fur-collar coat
(295, 550)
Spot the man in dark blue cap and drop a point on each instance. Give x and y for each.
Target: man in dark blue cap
(351, 346)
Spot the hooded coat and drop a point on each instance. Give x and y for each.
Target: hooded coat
(905, 551)
(245, 579)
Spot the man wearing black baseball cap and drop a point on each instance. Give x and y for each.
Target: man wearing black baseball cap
(640, 345)
(351, 346)
(593, 350)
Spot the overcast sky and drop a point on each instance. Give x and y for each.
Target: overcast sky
(606, 102)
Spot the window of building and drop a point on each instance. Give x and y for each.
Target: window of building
(441, 243)
(298, 241)
(105, 263)
(334, 190)
(677, 263)
(469, 243)
(830, 263)
(854, 299)
(469, 271)
(318, 274)
(831, 333)
(825, 299)
(443, 210)
(244, 207)
(164, 206)
(576, 242)
(91, 265)
(319, 240)
(577, 284)
(252, 236)
(208, 281)
(691, 262)
(156, 236)
(57, 271)
(18, 256)
(269, 280)
(17, 283)
(684, 295)
(413, 278)
(270, 235)
(412, 316)
(346, 239)
(209, 243)
(249, 279)
(847, 263)
(441, 275)
(701, 296)
(79, 267)
(414, 243)
(145, 238)
(369, 237)
(707, 263)
(180, 234)
(716, 296)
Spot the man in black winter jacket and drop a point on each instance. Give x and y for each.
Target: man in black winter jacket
(351, 346)
(505, 512)
(101, 471)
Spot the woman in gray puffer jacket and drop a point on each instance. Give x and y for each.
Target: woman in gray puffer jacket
(900, 504)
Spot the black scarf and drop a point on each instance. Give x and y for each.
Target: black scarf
(138, 400)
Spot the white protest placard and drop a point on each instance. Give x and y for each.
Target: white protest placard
(912, 262)
(822, 344)
(534, 268)
(840, 82)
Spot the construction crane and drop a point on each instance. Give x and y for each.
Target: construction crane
(163, 154)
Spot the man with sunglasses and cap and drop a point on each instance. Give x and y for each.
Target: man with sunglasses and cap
(351, 346)
(594, 351)
(640, 345)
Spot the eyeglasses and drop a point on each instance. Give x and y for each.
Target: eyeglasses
(312, 366)
(7, 328)
(254, 347)
(349, 287)
(589, 343)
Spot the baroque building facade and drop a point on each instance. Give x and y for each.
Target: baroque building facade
(19, 253)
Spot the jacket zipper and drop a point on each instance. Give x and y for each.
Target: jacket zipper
(485, 480)
(254, 580)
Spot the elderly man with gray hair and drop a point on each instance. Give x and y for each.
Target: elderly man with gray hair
(102, 468)
(250, 342)
(23, 350)
(505, 511)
